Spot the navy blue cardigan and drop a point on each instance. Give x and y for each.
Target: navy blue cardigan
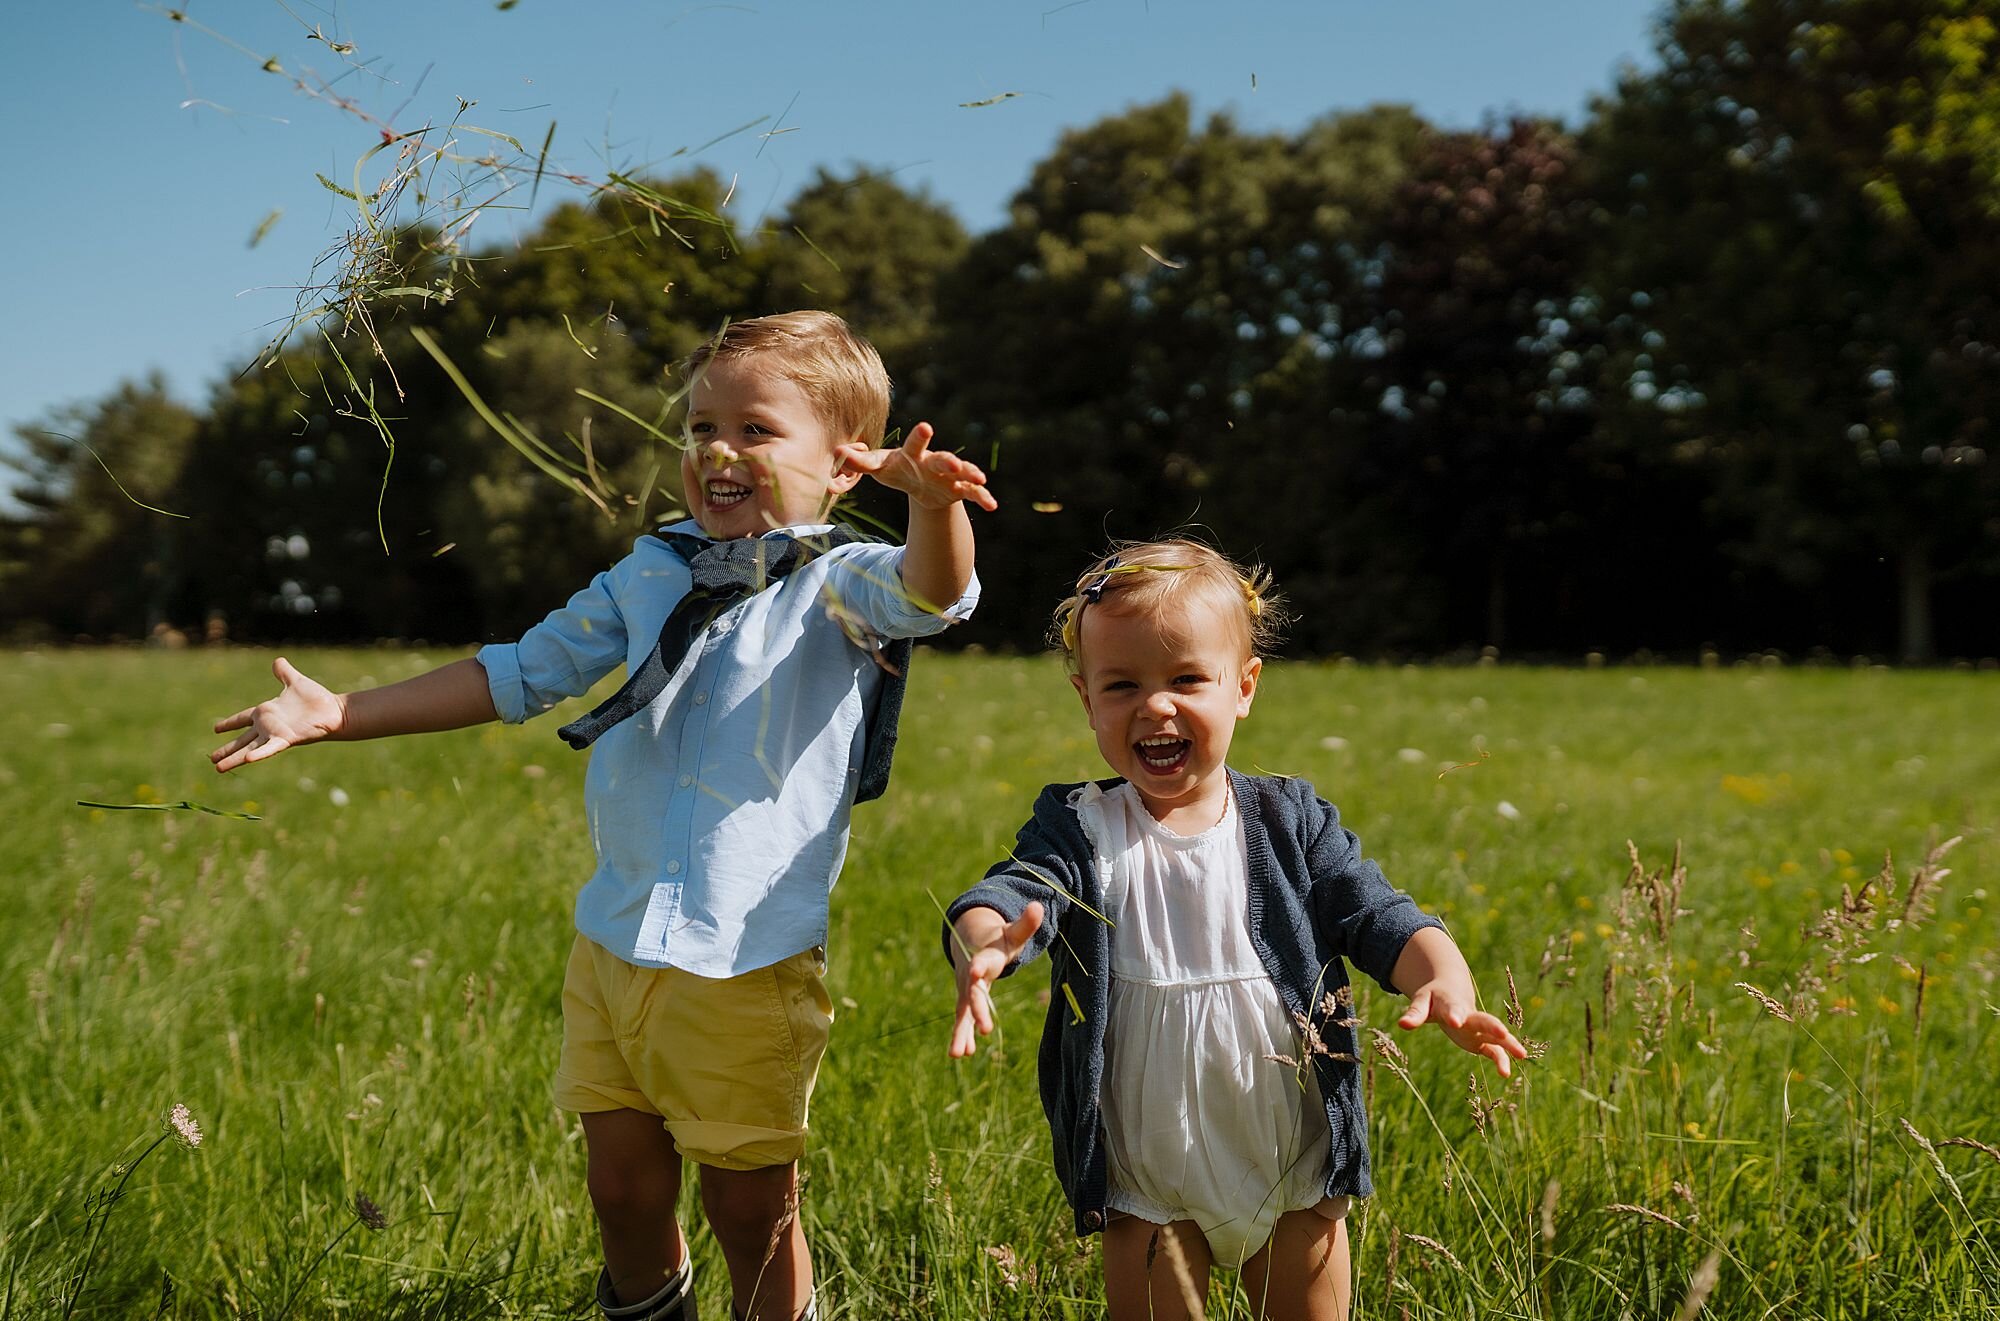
(1314, 900)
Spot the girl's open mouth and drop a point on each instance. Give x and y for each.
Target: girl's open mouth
(1163, 754)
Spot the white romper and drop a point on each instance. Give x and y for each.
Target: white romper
(1198, 1123)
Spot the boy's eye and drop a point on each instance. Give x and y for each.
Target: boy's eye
(1187, 680)
(1119, 686)
(700, 428)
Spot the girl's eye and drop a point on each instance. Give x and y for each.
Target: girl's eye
(1119, 686)
(1189, 680)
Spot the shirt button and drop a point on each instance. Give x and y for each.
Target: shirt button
(686, 780)
(1093, 1219)
(700, 698)
(674, 867)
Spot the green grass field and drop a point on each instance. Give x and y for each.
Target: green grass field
(357, 994)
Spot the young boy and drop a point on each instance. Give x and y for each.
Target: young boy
(694, 1015)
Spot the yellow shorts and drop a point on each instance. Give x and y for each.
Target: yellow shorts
(727, 1063)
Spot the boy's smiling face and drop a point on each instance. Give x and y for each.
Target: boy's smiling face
(1164, 698)
(759, 455)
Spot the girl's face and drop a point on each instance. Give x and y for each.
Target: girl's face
(1164, 698)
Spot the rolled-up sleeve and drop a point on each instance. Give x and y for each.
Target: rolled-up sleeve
(865, 582)
(563, 656)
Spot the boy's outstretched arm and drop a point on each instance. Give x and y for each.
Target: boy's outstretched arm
(937, 559)
(1432, 972)
(986, 943)
(306, 711)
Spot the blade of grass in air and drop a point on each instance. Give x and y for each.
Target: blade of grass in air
(815, 247)
(114, 478)
(184, 805)
(721, 137)
(541, 163)
(632, 417)
(381, 424)
(532, 452)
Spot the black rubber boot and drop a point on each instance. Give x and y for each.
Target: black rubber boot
(674, 1301)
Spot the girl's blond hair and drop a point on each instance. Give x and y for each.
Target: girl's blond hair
(1153, 577)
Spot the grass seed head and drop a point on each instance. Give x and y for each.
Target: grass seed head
(1701, 1286)
(369, 1214)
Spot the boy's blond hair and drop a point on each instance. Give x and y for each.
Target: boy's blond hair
(1154, 577)
(840, 372)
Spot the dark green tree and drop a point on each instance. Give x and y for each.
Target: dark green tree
(84, 553)
(1147, 343)
(866, 248)
(308, 521)
(1490, 351)
(1808, 219)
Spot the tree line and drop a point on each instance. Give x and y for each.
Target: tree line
(1714, 368)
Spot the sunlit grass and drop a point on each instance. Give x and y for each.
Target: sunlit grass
(358, 994)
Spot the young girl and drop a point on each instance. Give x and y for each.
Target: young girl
(1198, 1063)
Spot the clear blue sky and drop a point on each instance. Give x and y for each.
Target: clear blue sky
(145, 154)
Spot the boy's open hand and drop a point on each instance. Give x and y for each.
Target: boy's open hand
(935, 479)
(993, 946)
(304, 712)
(1470, 1029)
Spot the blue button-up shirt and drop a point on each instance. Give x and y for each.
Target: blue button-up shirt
(719, 813)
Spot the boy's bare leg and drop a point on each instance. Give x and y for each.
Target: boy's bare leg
(754, 1216)
(1303, 1271)
(635, 1179)
(1142, 1281)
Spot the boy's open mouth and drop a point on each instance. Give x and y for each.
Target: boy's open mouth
(724, 495)
(1163, 754)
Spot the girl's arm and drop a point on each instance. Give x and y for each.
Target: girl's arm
(1432, 972)
(1014, 912)
(1384, 933)
(987, 945)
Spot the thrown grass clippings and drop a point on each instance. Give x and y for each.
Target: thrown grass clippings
(184, 805)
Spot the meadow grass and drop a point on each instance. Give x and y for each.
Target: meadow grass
(358, 995)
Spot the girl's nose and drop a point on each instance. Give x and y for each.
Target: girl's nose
(1160, 703)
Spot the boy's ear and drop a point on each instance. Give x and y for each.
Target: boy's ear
(1246, 691)
(845, 476)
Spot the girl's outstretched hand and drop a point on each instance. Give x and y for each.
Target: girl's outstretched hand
(1470, 1029)
(986, 945)
(304, 712)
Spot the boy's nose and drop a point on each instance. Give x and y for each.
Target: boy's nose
(718, 453)
(1161, 704)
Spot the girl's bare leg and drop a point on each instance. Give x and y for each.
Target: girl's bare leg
(1303, 1273)
(1145, 1279)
